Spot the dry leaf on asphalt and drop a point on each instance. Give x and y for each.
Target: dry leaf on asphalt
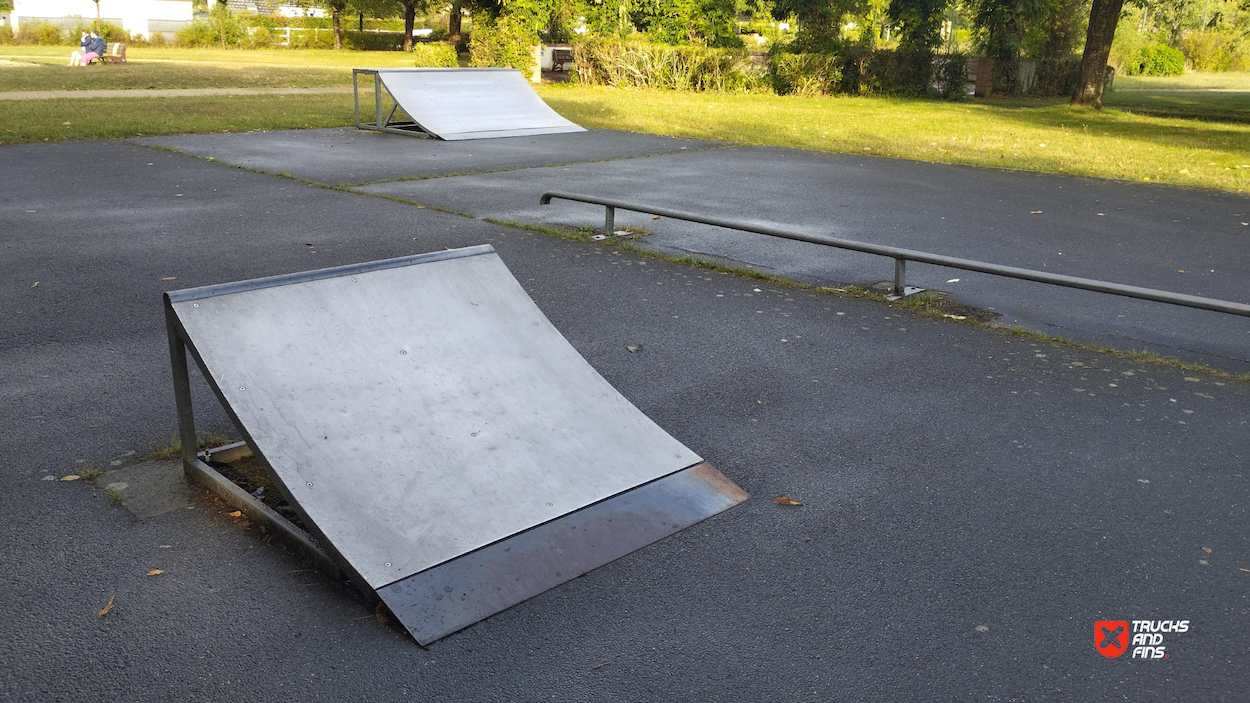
(1207, 550)
(783, 500)
(35, 284)
(634, 347)
(237, 513)
(382, 613)
(71, 477)
(155, 572)
(107, 608)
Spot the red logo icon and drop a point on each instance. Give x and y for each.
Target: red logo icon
(1111, 637)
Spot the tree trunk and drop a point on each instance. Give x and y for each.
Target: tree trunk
(410, 19)
(361, 27)
(1103, 17)
(338, 43)
(453, 23)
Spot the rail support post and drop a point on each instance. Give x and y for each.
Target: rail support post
(609, 220)
(900, 277)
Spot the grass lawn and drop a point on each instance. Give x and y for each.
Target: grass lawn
(1147, 132)
(1046, 136)
(43, 68)
(44, 120)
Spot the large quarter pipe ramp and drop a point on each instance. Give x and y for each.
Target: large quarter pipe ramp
(446, 445)
(457, 103)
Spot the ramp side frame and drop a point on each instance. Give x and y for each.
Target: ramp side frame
(382, 123)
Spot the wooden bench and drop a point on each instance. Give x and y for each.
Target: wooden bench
(113, 53)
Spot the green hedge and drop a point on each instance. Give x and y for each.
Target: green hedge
(805, 74)
(434, 55)
(642, 64)
(500, 45)
(1156, 60)
(866, 72)
(1056, 77)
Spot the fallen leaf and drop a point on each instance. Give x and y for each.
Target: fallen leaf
(155, 572)
(71, 477)
(783, 500)
(600, 666)
(955, 317)
(64, 123)
(382, 613)
(237, 513)
(107, 608)
(170, 278)
(634, 347)
(1184, 170)
(1035, 212)
(1207, 550)
(655, 217)
(953, 280)
(35, 284)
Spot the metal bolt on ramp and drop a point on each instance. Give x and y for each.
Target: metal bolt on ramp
(435, 431)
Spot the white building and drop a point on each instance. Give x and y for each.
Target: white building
(139, 17)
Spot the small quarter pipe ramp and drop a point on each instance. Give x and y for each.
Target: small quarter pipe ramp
(449, 449)
(458, 103)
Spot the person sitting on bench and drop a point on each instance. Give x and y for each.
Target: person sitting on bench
(95, 49)
(76, 58)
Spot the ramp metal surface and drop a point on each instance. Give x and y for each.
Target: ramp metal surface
(459, 103)
(432, 427)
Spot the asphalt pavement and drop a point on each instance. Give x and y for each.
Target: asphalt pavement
(1184, 240)
(973, 501)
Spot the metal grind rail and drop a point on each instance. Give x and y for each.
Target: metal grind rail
(902, 256)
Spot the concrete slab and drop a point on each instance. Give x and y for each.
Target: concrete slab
(149, 488)
(347, 155)
(1178, 239)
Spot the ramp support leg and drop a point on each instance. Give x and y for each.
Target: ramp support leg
(609, 220)
(356, 96)
(377, 101)
(182, 390)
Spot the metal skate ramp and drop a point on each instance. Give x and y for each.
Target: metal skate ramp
(457, 103)
(436, 433)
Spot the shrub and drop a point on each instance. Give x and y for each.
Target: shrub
(1055, 77)
(1155, 60)
(1209, 51)
(6, 34)
(44, 34)
(500, 44)
(642, 64)
(805, 74)
(373, 41)
(950, 76)
(112, 33)
(434, 55)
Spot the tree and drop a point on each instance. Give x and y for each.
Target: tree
(1103, 17)
(336, 8)
(919, 22)
(820, 21)
(1003, 24)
